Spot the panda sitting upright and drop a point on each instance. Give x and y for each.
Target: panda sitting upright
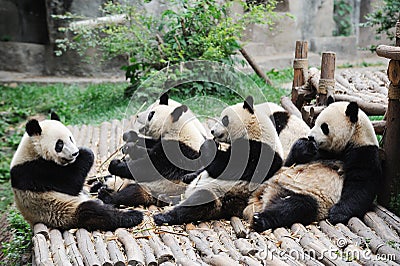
(316, 186)
(222, 189)
(48, 171)
(156, 171)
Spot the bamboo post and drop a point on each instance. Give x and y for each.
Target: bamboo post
(254, 66)
(300, 68)
(391, 137)
(326, 84)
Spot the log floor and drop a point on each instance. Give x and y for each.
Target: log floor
(373, 240)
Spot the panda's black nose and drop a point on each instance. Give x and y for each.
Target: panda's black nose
(212, 132)
(75, 154)
(311, 138)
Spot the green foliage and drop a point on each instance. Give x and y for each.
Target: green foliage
(384, 19)
(342, 10)
(21, 239)
(187, 30)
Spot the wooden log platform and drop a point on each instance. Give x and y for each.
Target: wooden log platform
(373, 240)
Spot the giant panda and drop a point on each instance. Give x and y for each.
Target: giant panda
(314, 185)
(288, 126)
(222, 189)
(164, 100)
(157, 171)
(48, 171)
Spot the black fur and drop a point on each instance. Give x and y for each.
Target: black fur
(178, 111)
(280, 120)
(248, 104)
(42, 175)
(33, 128)
(94, 215)
(352, 111)
(149, 168)
(164, 98)
(286, 209)
(363, 172)
(262, 163)
(54, 116)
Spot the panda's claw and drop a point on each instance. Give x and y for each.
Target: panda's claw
(96, 186)
(259, 223)
(105, 195)
(162, 218)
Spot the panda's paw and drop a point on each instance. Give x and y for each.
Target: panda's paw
(188, 178)
(96, 186)
(207, 151)
(260, 223)
(105, 194)
(131, 218)
(114, 166)
(130, 136)
(163, 218)
(336, 215)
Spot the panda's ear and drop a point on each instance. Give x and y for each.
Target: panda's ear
(33, 128)
(164, 98)
(330, 100)
(352, 111)
(54, 116)
(176, 114)
(248, 104)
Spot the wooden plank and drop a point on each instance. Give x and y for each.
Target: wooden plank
(86, 248)
(378, 246)
(390, 52)
(42, 229)
(81, 139)
(101, 249)
(132, 250)
(113, 136)
(104, 140)
(162, 252)
(72, 250)
(116, 255)
(290, 107)
(238, 227)
(57, 248)
(149, 257)
(380, 227)
(41, 250)
(301, 53)
(389, 217)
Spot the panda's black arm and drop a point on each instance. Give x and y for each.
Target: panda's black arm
(42, 175)
(363, 171)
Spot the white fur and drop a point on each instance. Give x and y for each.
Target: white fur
(141, 118)
(341, 130)
(243, 124)
(43, 145)
(161, 125)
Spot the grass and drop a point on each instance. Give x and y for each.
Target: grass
(89, 104)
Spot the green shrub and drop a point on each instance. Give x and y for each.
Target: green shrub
(188, 30)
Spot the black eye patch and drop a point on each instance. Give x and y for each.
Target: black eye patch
(325, 128)
(225, 121)
(151, 114)
(59, 145)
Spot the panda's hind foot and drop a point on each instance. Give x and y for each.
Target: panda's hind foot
(105, 194)
(336, 215)
(260, 223)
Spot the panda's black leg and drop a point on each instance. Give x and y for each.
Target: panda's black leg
(201, 205)
(285, 211)
(94, 215)
(120, 168)
(132, 195)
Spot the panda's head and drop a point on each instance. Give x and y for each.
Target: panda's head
(51, 140)
(172, 123)
(242, 120)
(141, 117)
(342, 124)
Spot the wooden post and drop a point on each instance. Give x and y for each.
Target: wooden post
(326, 84)
(391, 182)
(300, 66)
(255, 67)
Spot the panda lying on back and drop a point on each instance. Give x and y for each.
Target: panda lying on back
(315, 189)
(222, 189)
(48, 171)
